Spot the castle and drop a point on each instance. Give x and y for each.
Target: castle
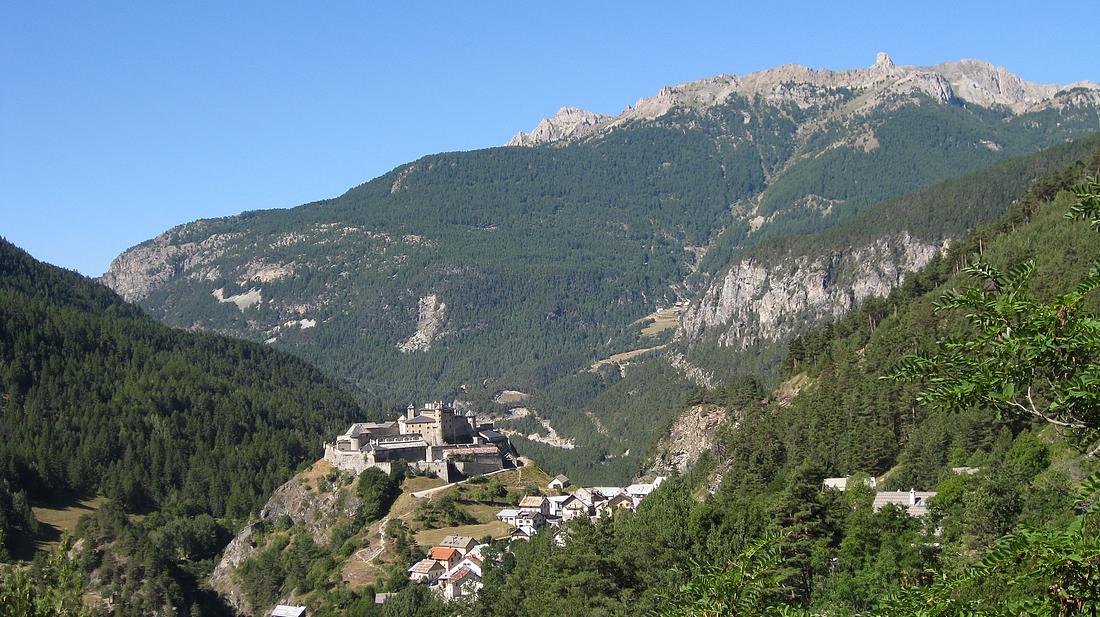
(437, 438)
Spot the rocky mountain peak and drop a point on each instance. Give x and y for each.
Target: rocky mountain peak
(568, 123)
(971, 81)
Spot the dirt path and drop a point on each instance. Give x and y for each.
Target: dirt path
(431, 491)
(368, 555)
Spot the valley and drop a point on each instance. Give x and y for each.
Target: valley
(715, 219)
(799, 341)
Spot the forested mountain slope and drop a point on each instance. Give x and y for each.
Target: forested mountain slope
(519, 267)
(833, 416)
(97, 397)
(779, 290)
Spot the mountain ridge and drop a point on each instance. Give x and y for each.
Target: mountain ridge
(967, 80)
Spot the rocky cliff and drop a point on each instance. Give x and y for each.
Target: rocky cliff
(315, 500)
(693, 432)
(755, 301)
(568, 123)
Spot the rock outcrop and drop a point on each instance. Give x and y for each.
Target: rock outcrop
(755, 301)
(308, 500)
(143, 269)
(569, 122)
(431, 314)
(695, 431)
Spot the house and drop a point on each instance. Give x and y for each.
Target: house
(584, 494)
(426, 571)
(535, 503)
(575, 508)
(639, 492)
(508, 515)
(621, 501)
(556, 503)
(464, 579)
(523, 532)
(914, 502)
(445, 555)
(530, 518)
(601, 493)
(464, 544)
(382, 596)
(841, 484)
(958, 471)
(284, 610)
(558, 483)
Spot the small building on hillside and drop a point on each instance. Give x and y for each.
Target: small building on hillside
(841, 484)
(508, 516)
(445, 555)
(558, 483)
(915, 503)
(535, 503)
(958, 471)
(426, 571)
(523, 532)
(464, 544)
(285, 610)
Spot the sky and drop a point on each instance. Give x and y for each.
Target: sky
(121, 120)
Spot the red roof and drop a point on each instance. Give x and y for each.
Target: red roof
(440, 553)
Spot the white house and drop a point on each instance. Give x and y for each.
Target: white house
(426, 571)
(284, 610)
(464, 579)
(914, 502)
(530, 518)
(841, 484)
(535, 503)
(557, 503)
(558, 483)
(523, 532)
(508, 516)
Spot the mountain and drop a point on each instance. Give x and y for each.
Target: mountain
(998, 481)
(535, 267)
(883, 84)
(98, 398)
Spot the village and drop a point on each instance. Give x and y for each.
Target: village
(453, 447)
(453, 567)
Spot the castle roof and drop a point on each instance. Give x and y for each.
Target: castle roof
(420, 420)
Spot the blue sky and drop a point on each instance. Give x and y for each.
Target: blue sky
(120, 120)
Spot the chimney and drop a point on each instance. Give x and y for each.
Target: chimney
(411, 411)
(912, 497)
